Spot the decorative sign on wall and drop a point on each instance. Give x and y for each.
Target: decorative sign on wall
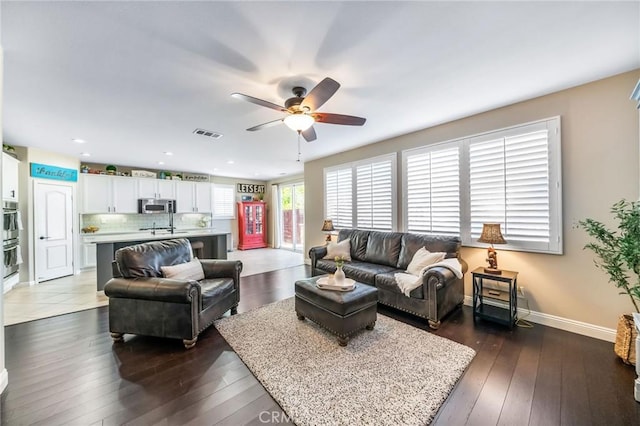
(249, 187)
(196, 178)
(45, 171)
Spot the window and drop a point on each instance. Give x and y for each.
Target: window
(374, 194)
(223, 201)
(510, 176)
(432, 182)
(511, 182)
(338, 194)
(362, 194)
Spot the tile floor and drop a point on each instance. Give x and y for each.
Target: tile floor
(78, 292)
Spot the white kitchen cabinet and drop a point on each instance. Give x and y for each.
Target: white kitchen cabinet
(9, 177)
(156, 188)
(88, 255)
(193, 197)
(109, 194)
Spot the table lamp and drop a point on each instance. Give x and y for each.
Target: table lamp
(491, 234)
(327, 227)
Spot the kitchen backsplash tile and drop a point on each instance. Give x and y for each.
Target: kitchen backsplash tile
(134, 222)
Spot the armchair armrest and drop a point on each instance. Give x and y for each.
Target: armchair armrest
(157, 289)
(214, 268)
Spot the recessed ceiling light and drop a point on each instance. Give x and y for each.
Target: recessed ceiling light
(161, 162)
(85, 154)
(78, 140)
(168, 153)
(230, 162)
(282, 174)
(215, 169)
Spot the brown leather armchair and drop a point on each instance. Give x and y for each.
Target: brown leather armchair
(142, 302)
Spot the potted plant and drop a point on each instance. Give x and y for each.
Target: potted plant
(618, 254)
(111, 169)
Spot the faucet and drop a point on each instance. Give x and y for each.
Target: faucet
(171, 217)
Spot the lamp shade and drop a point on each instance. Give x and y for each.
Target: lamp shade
(491, 234)
(299, 121)
(327, 226)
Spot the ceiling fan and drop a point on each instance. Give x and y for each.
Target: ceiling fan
(302, 110)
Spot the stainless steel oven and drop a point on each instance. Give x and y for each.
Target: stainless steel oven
(11, 229)
(10, 238)
(11, 257)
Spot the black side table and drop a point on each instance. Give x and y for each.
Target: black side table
(482, 297)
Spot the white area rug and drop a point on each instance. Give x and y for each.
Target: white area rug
(395, 374)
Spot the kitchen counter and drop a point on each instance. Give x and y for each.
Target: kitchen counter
(215, 246)
(147, 235)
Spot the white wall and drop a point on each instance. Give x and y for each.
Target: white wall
(599, 165)
(234, 182)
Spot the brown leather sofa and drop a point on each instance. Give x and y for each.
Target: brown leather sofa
(142, 302)
(377, 256)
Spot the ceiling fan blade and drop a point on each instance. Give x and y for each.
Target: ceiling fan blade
(309, 135)
(257, 101)
(265, 125)
(348, 120)
(320, 94)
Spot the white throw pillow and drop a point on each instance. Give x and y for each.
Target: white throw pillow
(341, 249)
(422, 259)
(184, 271)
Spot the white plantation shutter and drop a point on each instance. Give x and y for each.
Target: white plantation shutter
(486, 184)
(511, 176)
(375, 184)
(527, 187)
(223, 201)
(512, 182)
(433, 191)
(338, 196)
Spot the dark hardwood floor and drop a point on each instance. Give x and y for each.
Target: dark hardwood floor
(66, 371)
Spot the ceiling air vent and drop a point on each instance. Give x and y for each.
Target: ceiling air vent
(208, 133)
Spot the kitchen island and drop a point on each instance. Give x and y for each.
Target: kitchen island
(215, 247)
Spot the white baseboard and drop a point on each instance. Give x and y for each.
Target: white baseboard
(4, 379)
(573, 326)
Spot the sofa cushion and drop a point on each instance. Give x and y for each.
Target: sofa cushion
(411, 243)
(358, 242)
(184, 271)
(214, 289)
(383, 248)
(341, 249)
(364, 272)
(387, 282)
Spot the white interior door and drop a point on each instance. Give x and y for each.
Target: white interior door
(53, 231)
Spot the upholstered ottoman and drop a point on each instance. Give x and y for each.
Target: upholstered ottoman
(341, 312)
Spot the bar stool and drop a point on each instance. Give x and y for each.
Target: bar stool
(198, 249)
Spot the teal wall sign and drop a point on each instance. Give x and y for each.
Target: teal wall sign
(45, 171)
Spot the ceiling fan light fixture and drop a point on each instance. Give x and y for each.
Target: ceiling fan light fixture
(299, 122)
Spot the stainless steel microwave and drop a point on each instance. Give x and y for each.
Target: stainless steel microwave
(154, 205)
